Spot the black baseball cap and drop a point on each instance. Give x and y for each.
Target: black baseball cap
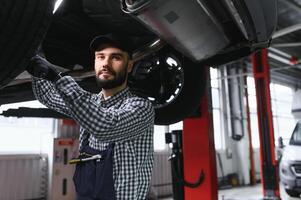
(120, 41)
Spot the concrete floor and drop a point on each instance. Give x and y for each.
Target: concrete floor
(245, 193)
(248, 193)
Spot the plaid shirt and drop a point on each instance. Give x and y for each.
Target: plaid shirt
(123, 118)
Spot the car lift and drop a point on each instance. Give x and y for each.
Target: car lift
(195, 149)
(199, 153)
(196, 152)
(269, 166)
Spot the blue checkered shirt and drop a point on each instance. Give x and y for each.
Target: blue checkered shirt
(124, 118)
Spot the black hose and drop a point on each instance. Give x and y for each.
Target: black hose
(181, 179)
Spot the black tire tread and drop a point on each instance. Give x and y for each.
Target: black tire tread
(25, 24)
(188, 100)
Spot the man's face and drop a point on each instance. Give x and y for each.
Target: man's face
(112, 66)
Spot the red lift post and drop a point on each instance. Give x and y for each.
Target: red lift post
(199, 153)
(269, 167)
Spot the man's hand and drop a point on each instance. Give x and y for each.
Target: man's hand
(39, 67)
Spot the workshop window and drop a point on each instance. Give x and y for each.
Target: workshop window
(23, 135)
(253, 111)
(216, 109)
(283, 120)
(159, 138)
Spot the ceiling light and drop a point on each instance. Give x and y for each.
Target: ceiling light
(57, 5)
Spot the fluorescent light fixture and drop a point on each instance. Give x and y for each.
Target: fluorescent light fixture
(279, 58)
(57, 5)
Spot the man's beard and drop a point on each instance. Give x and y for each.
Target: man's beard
(118, 80)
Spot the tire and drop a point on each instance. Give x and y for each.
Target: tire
(173, 87)
(23, 26)
(188, 100)
(292, 193)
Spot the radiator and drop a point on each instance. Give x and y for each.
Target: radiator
(161, 183)
(23, 177)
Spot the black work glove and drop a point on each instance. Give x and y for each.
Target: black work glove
(39, 67)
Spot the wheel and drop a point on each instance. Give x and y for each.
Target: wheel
(292, 193)
(23, 27)
(172, 82)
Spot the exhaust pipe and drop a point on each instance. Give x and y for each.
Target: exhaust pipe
(187, 25)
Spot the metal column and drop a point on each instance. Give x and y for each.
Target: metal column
(269, 168)
(199, 152)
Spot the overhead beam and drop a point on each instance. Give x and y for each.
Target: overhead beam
(286, 31)
(289, 44)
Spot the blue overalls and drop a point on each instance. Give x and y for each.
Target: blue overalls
(93, 179)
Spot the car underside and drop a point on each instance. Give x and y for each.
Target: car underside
(174, 42)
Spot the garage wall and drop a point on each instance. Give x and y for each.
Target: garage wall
(23, 177)
(161, 183)
(229, 165)
(234, 154)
